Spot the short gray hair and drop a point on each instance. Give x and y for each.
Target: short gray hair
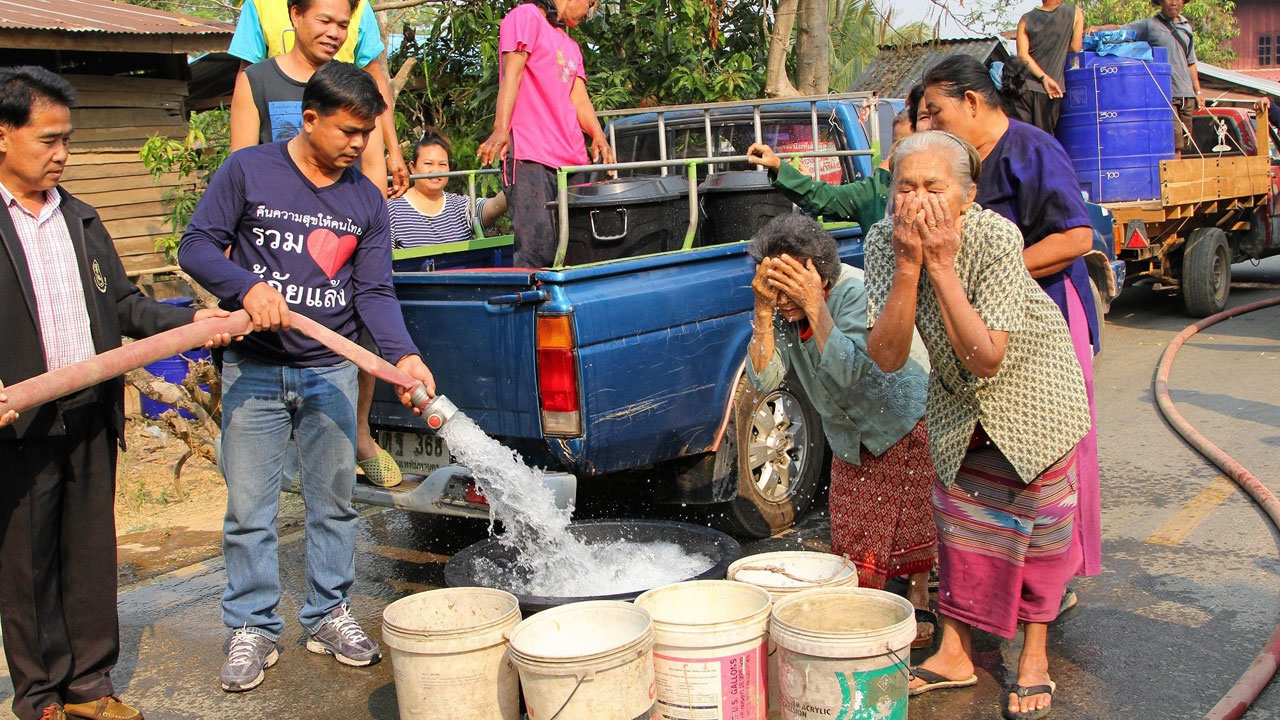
(803, 239)
(965, 162)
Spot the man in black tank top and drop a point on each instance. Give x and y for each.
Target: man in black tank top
(1045, 35)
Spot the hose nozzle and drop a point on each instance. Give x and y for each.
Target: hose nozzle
(437, 412)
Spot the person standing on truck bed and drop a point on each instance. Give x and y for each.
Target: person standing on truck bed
(1006, 410)
(266, 29)
(543, 110)
(66, 298)
(307, 234)
(1171, 30)
(266, 107)
(862, 201)
(1027, 178)
(427, 215)
(1045, 36)
(881, 473)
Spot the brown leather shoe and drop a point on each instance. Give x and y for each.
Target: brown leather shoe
(104, 708)
(53, 712)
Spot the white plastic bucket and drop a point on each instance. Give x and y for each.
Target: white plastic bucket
(449, 650)
(843, 652)
(710, 657)
(787, 573)
(586, 661)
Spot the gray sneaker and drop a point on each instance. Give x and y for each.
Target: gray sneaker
(249, 654)
(340, 636)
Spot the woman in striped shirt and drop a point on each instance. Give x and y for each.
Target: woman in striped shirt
(426, 214)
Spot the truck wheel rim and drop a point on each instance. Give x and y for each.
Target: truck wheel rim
(1219, 276)
(778, 446)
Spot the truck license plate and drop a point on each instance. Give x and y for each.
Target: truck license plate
(415, 453)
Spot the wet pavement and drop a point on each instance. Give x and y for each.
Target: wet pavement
(1189, 592)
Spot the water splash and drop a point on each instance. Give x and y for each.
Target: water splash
(551, 560)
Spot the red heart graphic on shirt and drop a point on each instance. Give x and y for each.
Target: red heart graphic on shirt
(330, 251)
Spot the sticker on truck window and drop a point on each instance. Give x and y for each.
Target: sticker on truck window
(798, 137)
(415, 453)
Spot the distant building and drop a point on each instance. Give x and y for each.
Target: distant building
(129, 64)
(1257, 46)
(898, 67)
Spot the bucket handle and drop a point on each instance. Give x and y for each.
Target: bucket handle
(608, 238)
(581, 679)
(778, 570)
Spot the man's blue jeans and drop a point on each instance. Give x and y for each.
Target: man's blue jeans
(262, 404)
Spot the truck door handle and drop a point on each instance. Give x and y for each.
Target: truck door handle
(528, 297)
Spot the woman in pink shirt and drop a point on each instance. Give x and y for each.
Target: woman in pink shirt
(543, 111)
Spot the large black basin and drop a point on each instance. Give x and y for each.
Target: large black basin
(719, 547)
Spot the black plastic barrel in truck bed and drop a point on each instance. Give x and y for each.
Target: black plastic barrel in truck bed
(626, 217)
(737, 203)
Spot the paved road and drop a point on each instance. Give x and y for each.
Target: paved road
(1191, 586)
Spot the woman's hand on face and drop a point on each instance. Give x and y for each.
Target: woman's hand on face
(938, 233)
(800, 281)
(765, 292)
(763, 155)
(494, 147)
(907, 246)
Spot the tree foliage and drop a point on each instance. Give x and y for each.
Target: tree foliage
(1214, 22)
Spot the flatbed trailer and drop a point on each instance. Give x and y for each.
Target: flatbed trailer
(1214, 209)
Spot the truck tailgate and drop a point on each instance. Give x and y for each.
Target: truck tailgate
(475, 329)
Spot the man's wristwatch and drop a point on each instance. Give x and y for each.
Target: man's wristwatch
(1042, 77)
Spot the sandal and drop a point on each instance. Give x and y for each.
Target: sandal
(1023, 692)
(934, 681)
(381, 469)
(923, 640)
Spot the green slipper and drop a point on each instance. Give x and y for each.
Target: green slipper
(381, 469)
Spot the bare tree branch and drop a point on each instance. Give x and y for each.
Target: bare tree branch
(402, 76)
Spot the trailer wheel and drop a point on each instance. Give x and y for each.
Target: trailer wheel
(1206, 272)
(776, 448)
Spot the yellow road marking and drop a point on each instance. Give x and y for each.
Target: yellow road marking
(403, 554)
(1194, 512)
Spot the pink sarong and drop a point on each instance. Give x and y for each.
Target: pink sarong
(1005, 548)
(1088, 526)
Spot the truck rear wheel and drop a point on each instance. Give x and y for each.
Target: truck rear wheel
(1206, 272)
(775, 446)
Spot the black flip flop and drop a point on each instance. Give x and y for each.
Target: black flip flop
(1023, 692)
(924, 615)
(934, 681)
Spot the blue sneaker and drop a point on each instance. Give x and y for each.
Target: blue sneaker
(249, 654)
(341, 636)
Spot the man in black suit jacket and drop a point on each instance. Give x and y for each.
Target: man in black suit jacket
(64, 297)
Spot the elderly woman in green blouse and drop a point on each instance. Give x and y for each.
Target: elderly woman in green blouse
(811, 320)
(1006, 407)
(862, 201)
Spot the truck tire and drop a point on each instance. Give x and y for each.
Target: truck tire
(1206, 272)
(774, 450)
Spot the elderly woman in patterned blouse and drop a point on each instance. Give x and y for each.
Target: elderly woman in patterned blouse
(1006, 407)
(811, 320)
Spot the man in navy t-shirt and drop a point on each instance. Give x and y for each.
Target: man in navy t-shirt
(307, 234)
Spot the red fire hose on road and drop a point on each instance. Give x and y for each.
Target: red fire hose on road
(72, 378)
(1255, 679)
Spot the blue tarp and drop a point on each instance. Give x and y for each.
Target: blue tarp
(1117, 43)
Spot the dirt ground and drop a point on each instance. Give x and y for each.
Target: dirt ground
(162, 525)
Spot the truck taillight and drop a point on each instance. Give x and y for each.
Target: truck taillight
(558, 376)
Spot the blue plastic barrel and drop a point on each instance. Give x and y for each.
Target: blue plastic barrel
(172, 369)
(1116, 124)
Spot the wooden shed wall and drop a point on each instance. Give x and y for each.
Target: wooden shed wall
(114, 118)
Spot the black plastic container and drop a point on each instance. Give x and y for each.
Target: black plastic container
(723, 551)
(737, 203)
(625, 218)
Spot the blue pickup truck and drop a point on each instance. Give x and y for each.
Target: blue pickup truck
(632, 361)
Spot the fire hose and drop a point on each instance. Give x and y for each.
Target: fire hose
(69, 379)
(1255, 678)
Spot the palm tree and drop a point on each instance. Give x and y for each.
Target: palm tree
(858, 29)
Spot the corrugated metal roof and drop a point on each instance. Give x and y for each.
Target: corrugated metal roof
(1232, 77)
(898, 67)
(104, 16)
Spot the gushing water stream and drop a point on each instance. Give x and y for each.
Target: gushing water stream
(552, 561)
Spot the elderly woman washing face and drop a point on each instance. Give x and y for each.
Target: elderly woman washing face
(1006, 407)
(881, 474)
